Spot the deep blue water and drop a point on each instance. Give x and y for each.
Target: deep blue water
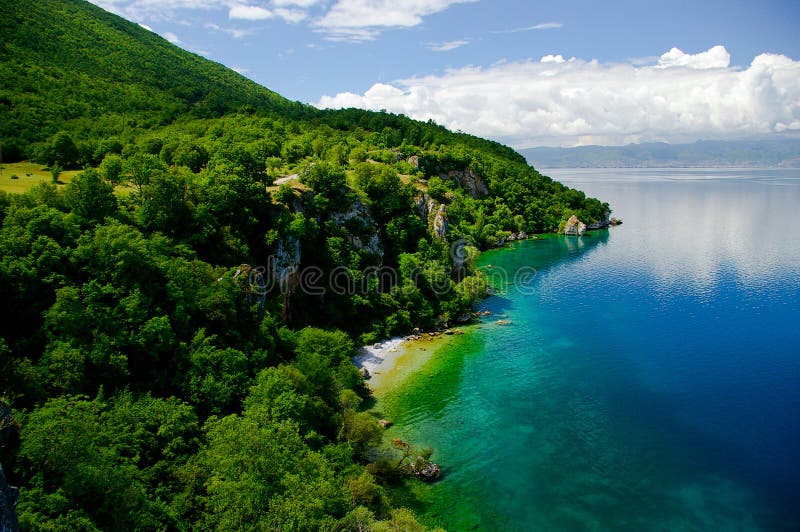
(650, 377)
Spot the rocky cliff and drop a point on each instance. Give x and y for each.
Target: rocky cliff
(467, 179)
(433, 213)
(367, 237)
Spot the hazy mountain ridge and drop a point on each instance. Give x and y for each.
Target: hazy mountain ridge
(784, 153)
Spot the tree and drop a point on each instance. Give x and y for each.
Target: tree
(63, 150)
(90, 197)
(111, 168)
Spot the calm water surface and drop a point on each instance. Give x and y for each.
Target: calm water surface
(650, 376)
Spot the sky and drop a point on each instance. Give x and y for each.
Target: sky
(525, 73)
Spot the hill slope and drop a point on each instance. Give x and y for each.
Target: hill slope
(69, 64)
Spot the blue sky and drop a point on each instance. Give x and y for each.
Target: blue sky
(525, 73)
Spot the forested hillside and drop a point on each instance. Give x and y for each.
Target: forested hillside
(176, 327)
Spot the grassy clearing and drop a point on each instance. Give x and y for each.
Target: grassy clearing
(28, 174)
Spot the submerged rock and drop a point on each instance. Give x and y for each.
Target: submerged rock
(615, 221)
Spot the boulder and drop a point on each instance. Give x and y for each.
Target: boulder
(365, 373)
(385, 423)
(425, 470)
(615, 221)
(574, 226)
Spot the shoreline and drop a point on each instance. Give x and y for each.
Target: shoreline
(392, 361)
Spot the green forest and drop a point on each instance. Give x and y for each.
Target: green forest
(172, 354)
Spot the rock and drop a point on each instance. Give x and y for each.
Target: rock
(574, 226)
(385, 423)
(400, 444)
(440, 223)
(472, 183)
(8, 500)
(414, 161)
(503, 322)
(448, 331)
(600, 223)
(377, 345)
(425, 470)
(615, 221)
(368, 238)
(365, 373)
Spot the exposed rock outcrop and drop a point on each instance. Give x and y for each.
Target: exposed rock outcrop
(369, 239)
(8, 500)
(425, 469)
(433, 213)
(287, 264)
(471, 182)
(615, 221)
(440, 223)
(600, 223)
(574, 226)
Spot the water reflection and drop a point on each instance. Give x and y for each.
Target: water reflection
(687, 226)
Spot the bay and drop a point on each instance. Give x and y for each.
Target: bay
(649, 378)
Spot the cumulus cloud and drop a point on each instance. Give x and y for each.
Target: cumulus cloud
(446, 46)
(243, 12)
(716, 57)
(346, 16)
(571, 102)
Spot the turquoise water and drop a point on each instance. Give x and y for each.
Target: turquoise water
(650, 376)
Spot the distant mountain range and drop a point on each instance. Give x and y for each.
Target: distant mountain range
(746, 153)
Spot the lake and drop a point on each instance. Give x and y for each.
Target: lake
(649, 378)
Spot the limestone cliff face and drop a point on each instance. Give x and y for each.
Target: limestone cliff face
(574, 226)
(440, 223)
(358, 215)
(471, 182)
(433, 213)
(286, 267)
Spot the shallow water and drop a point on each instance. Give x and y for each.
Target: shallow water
(650, 376)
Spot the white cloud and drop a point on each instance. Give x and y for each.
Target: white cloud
(291, 15)
(569, 102)
(716, 57)
(340, 20)
(345, 16)
(552, 59)
(171, 37)
(298, 3)
(243, 12)
(157, 10)
(446, 46)
(541, 26)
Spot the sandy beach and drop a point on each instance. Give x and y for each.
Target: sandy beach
(391, 361)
